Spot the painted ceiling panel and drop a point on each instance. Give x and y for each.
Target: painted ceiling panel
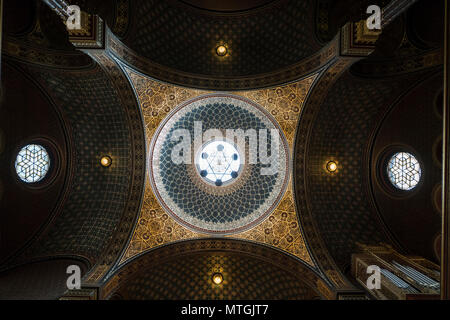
(155, 227)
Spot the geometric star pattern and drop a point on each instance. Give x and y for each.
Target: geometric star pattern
(219, 162)
(32, 163)
(404, 171)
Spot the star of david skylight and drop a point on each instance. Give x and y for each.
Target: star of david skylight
(218, 163)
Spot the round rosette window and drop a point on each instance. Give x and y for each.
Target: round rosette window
(219, 164)
(32, 163)
(404, 171)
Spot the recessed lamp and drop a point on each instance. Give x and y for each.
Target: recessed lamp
(217, 278)
(221, 50)
(106, 161)
(332, 166)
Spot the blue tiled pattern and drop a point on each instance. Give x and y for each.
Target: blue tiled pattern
(192, 200)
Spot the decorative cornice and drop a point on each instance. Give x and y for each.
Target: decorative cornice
(92, 37)
(357, 40)
(85, 293)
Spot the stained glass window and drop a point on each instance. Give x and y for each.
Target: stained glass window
(218, 162)
(32, 163)
(404, 171)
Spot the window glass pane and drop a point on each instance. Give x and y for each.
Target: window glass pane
(32, 163)
(404, 171)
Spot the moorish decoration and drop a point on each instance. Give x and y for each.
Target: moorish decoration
(156, 228)
(222, 190)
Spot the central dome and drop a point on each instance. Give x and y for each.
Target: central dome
(219, 164)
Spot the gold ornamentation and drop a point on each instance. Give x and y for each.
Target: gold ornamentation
(324, 290)
(156, 228)
(86, 23)
(357, 40)
(91, 35)
(281, 230)
(365, 36)
(336, 278)
(309, 65)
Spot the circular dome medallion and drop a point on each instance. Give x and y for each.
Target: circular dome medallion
(212, 167)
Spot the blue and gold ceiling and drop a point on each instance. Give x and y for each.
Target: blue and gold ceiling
(313, 217)
(278, 227)
(216, 209)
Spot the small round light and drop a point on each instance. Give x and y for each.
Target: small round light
(217, 278)
(106, 161)
(221, 50)
(331, 166)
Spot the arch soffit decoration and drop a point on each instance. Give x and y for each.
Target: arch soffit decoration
(350, 53)
(85, 60)
(117, 245)
(131, 110)
(15, 259)
(184, 248)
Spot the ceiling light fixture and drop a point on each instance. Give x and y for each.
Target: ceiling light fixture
(332, 166)
(106, 161)
(221, 50)
(217, 278)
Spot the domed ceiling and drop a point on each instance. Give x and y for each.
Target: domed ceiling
(183, 271)
(289, 81)
(185, 40)
(263, 207)
(210, 199)
(266, 42)
(245, 279)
